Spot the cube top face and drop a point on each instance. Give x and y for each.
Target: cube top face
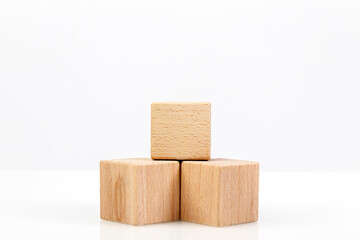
(137, 162)
(180, 131)
(139, 191)
(219, 192)
(223, 162)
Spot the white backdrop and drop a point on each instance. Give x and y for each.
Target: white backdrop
(77, 79)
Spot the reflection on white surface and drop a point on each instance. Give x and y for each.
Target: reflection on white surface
(248, 231)
(119, 231)
(177, 230)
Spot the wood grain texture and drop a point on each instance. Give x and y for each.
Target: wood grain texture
(219, 192)
(180, 131)
(139, 191)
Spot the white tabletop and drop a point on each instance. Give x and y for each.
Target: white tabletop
(65, 205)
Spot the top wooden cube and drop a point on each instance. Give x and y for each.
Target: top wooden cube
(180, 131)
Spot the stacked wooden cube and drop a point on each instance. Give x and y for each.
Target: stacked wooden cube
(180, 181)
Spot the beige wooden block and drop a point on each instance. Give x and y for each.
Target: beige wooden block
(139, 191)
(219, 192)
(180, 131)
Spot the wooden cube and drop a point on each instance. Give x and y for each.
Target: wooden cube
(180, 131)
(139, 191)
(219, 192)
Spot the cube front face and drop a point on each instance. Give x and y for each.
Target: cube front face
(239, 194)
(200, 193)
(219, 193)
(117, 202)
(139, 192)
(180, 131)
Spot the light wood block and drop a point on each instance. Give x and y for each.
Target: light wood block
(139, 191)
(219, 192)
(180, 131)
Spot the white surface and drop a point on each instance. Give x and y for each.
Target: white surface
(65, 205)
(77, 78)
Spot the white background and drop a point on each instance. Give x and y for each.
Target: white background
(77, 79)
